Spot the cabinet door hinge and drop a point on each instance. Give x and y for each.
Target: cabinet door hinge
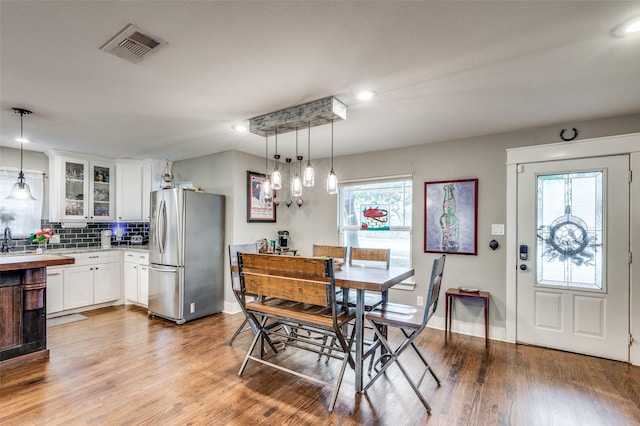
(630, 340)
(630, 258)
(630, 175)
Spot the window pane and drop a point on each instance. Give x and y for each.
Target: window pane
(394, 196)
(570, 230)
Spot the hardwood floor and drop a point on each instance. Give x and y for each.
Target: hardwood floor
(120, 368)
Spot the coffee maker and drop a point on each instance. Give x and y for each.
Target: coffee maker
(283, 240)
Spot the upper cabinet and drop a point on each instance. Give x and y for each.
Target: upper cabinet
(129, 190)
(81, 188)
(84, 188)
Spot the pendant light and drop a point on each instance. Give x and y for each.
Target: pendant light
(276, 177)
(296, 183)
(266, 185)
(332, 180)
(289, 201)
(21, 190)
(308, 179)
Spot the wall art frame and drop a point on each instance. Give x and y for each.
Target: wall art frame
(451, 216)
(259, 207)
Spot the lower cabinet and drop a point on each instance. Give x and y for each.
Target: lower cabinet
(55, 291)
(136, 277)
(94, 279)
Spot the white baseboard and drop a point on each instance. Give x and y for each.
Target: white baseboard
(231, 308)
(470, 329)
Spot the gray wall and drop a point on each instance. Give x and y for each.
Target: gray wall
(481, 157)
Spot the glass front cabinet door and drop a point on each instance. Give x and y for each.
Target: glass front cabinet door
(85, 190)
(102, 191)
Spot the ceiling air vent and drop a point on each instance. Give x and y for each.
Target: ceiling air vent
(132, 44)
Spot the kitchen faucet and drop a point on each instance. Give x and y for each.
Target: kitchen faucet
(6, 241)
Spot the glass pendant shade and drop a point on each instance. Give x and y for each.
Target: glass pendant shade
(276, 179)
(266, 185)
(21, 190)
(332, 183)
(266, 188)
(308, 179)
(332, 179)
(296, 186)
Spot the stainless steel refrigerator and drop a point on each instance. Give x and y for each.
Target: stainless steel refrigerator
(186, 254)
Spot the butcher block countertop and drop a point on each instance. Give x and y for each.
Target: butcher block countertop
(31, 261)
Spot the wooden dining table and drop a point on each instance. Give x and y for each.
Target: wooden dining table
(370, 279)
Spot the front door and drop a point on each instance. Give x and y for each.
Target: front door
(573, 257)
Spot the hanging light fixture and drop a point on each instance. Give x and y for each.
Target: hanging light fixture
(266, 185)
(289, 201)
(296, 183)
(276, 177)
(21, 190)
(332, 180)
(308, 178)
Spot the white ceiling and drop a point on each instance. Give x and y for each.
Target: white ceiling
(442, 70)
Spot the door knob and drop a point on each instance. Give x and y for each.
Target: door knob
(523, 267)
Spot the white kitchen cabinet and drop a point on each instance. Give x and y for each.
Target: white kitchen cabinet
(81, 188)
(93, 279)
(136, 277)
(147, 187)
(106, 282)
(129, 190)
(55, 293)
(78, 287)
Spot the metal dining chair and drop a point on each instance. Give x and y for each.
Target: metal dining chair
(411, 321)
(369, 256)
(234, 249)
(334, 252)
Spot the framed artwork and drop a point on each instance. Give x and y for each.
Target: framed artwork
(451, 216)
(259, 207)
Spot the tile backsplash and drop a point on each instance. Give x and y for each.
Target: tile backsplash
(89, 236)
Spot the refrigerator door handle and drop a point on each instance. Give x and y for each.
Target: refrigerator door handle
(162, 227)
(170, 269)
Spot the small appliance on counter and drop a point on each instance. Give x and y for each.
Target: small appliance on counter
(283, 240)
(105, 239)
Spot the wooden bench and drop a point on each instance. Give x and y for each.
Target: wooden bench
(299, 292)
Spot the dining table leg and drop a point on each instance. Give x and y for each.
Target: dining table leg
(359, 339)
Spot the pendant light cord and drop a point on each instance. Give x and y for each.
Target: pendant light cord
(331, 145)
(309, 146)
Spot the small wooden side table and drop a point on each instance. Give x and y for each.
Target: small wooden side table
(457, 293)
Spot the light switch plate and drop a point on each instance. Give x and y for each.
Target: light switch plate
(497, 229)
(55, 239)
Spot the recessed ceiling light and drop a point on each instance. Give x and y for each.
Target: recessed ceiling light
(634, 27)
(23, 140)
(240, 128)
(628, 27)
(366, 95)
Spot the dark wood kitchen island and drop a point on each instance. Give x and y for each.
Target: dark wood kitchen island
(23, 313)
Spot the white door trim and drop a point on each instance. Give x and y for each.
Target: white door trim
(612, 145)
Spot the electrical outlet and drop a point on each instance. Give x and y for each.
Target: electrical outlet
(192, 308)
(420, 301)
(55, 239)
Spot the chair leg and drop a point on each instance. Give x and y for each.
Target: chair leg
(258, 337)
(240, 329)
(414, 387)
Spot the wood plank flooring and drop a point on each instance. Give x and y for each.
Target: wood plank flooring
(121, 368)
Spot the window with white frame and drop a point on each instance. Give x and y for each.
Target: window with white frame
(377, 213)
(21, 217)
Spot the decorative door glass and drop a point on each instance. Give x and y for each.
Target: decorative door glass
(570, 230)
(74, 203)
(101, 195)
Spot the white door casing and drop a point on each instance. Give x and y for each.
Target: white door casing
(604, 146)
(573, 215)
